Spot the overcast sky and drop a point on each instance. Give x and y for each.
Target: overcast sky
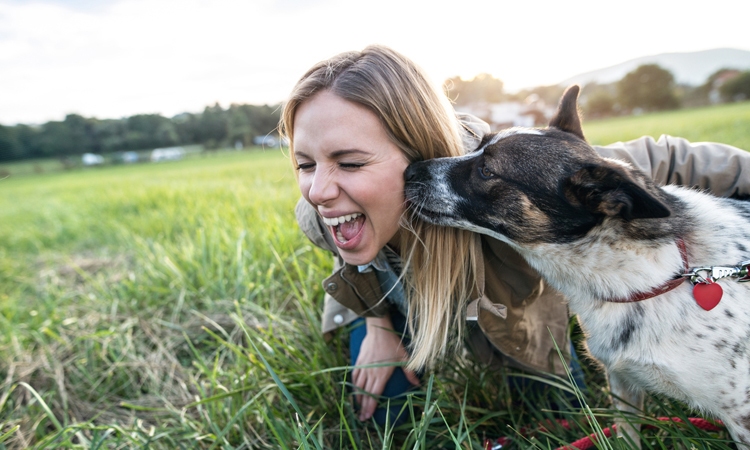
(115, 58)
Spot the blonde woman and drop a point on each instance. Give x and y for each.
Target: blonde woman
(354, 123)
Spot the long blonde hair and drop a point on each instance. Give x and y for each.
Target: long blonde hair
(419, 119)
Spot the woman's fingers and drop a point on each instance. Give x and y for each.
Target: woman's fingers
(366, 404)
(358, 380)
(372, 382)
(366, 407)
(374, 386)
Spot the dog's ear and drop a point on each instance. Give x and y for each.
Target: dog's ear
(611, 191)
(566, 117)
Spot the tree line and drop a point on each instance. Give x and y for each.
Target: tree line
(647, 88)
(75, 135)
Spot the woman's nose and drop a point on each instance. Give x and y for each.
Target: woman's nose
(324, 188)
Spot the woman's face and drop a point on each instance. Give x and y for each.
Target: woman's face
(351, 173)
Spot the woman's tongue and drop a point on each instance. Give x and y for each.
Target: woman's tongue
(350, 229)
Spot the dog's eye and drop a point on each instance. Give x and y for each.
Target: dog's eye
(485, 172)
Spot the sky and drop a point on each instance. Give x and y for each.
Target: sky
(116, 58)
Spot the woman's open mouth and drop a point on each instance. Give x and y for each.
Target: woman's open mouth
(346, 228)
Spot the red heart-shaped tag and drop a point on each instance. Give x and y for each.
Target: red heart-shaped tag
(708, 295)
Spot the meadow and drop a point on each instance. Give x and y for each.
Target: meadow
(177, 305)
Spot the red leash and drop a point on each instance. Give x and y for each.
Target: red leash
(589, 441)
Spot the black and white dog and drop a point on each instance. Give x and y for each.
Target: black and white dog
(619, 248)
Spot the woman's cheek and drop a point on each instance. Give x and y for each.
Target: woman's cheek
(304, 186)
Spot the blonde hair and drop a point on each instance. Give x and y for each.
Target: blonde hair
(419, 119)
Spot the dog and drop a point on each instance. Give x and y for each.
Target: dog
(623, 251)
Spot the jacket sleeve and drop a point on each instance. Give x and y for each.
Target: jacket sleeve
(335, 314)
(472, 130)
(721, 169)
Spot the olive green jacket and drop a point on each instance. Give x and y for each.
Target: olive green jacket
(513, 306)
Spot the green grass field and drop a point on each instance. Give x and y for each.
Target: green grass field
(723, 123)
(177, 305)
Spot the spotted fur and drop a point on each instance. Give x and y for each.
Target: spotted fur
(597, 229)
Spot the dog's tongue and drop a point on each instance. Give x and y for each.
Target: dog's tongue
(351, 228)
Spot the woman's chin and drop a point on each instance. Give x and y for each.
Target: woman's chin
(358, 257)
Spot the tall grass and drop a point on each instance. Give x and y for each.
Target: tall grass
(722, 123)
(178, 306)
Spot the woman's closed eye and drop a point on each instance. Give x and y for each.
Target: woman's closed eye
(350, 165)
(304, 167)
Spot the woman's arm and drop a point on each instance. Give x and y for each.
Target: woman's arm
(721, 169)
(381, 345)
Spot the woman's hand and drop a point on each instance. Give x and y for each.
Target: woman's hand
(381, 345)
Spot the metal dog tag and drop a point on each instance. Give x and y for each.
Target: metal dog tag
(718, 272)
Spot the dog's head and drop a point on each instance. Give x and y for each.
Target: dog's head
(528, 185)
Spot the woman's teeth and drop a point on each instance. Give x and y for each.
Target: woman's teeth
(333, 221)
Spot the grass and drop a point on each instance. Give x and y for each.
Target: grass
(177, 305)
(728, 124)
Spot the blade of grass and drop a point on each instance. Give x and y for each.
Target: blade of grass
(6, 435)
(275, 377)
(43, 404)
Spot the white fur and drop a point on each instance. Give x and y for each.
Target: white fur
(500, 135)
(676, 347)
(444, 199)
(680, 350)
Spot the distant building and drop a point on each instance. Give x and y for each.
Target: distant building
(91, 159)
(714, 95)
(266, 141)
(529, 113)
(167, 154)
(125, 157)
(130, 157)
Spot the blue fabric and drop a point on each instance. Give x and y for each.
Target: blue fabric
(397, 386)
(387, 268)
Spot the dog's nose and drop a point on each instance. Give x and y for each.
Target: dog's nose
(411, 172)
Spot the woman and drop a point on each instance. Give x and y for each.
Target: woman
(354, 123)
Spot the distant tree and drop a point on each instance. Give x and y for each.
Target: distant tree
(599, 100)
(81, 134)
(187, 126)
(55, 139)
(648, 87)
(213, 126)
(548, 94)
(708, 92)
(721, 74)
(249, 121)
(76, 134)
(265, 118)
(149, 131)
(28, 138)
(240, 128)
(737, 88)
(482, 88)
(110, 135)
(600, 104)
(10, 148)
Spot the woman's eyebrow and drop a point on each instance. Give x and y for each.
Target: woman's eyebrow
(347, 152)
(301, 155)
(335, 154)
